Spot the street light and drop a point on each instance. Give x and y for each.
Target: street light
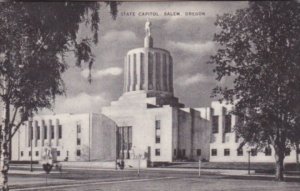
(249, 153)
(139, 163)
(199, 170)
(31, 137)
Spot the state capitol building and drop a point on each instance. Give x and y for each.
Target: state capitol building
(147, 121)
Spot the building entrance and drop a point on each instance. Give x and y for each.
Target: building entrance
(124, 144)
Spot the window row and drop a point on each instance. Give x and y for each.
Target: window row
(253, 152)
(78, 153)
(37, 153)
(44, 133)
(215, 124)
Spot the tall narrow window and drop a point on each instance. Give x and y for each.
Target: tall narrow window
(52, 132)
(157, 131)
(59, 131)
(227, 123)
(31, 132)
(215, 124)
(38, 133)
(45, 132)
(78, 128)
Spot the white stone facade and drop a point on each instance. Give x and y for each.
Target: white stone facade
(224, 142)
(152, 122)
(160, 133)
(75, 137)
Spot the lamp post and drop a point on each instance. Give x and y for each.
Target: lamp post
(139, 163)
(199, 170)
(31, 137)
(249, 154)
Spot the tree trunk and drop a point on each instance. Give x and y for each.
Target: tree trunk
(4, 164)
(279, 157)
(4, 159)
(297, 155)
(4, 155)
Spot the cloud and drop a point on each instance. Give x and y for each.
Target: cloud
(81, 103)
(98, 74)
(188, 80)
(124, 35)
(192, 47)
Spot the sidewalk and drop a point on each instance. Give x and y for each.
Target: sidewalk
(28, 172)
(232, 172)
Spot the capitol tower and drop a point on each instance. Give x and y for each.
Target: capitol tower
(151, 122)
(149, 70)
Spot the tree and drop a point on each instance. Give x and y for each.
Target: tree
(259, 49)
(35, 37)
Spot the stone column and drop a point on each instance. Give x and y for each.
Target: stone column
(162, 72)
(171, 74)
(49, 132)
(142, 71)
(167, 73)
(146, 73)
(42, 132)
(127, 138)
(130, 72)
(122, 143)
(158, 71)
(56, 132)
(134, 69)
(222, 124)
(154, 71)
(125, 74)
(138, 71)
(28, 133)
(34, 142)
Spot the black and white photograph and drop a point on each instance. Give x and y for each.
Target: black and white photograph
(149, 95)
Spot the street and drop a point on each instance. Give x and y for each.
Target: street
(151, 180)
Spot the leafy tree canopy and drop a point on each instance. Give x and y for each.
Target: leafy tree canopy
(34, 40)
(35, 37)
(259, 48)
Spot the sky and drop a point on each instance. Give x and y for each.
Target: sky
(188, 38)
